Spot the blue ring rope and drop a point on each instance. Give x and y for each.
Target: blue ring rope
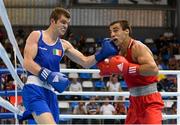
(10, 93)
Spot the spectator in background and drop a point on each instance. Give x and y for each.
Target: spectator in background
(20, 40)
(75, 86)
(93, 108)
(172, 111)
(172, 62)
(120, 110)
(9, 49)
(107, 109)
(113, 85)
(81, 43)
(161, 65)
(72, 40)
(9, 86)
(80, 109)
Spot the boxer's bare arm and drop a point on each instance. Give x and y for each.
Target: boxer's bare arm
(77, 56)
(30, 52)
(143, 56)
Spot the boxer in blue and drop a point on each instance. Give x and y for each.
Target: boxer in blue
(43, 52)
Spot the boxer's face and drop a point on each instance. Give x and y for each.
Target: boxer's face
(61, 25)
(117, 34)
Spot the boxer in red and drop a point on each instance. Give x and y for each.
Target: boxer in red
(136, 64)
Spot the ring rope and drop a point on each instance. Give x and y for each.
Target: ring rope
(8, 27)
(69, 116)
(11, 92)
(165, 72)
(5, 58)
(6, 104)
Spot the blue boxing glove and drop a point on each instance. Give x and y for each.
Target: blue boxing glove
(108, 49)
(58, 80)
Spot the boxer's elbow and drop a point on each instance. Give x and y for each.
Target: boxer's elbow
(85, 65)
(88, 62)
(27, 63)
(149, 70)
(155, 70)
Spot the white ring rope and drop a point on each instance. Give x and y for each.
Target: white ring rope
(5, 58)
(69, 101)
(10, 107)
(7, 24)
(166, 72)
(66, 116)
(112, 93)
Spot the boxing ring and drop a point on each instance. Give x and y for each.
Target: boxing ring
(13, 70)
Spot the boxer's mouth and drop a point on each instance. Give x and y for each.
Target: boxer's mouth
(115, 41)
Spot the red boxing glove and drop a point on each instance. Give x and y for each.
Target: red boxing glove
(106, 68)
(117, 65)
